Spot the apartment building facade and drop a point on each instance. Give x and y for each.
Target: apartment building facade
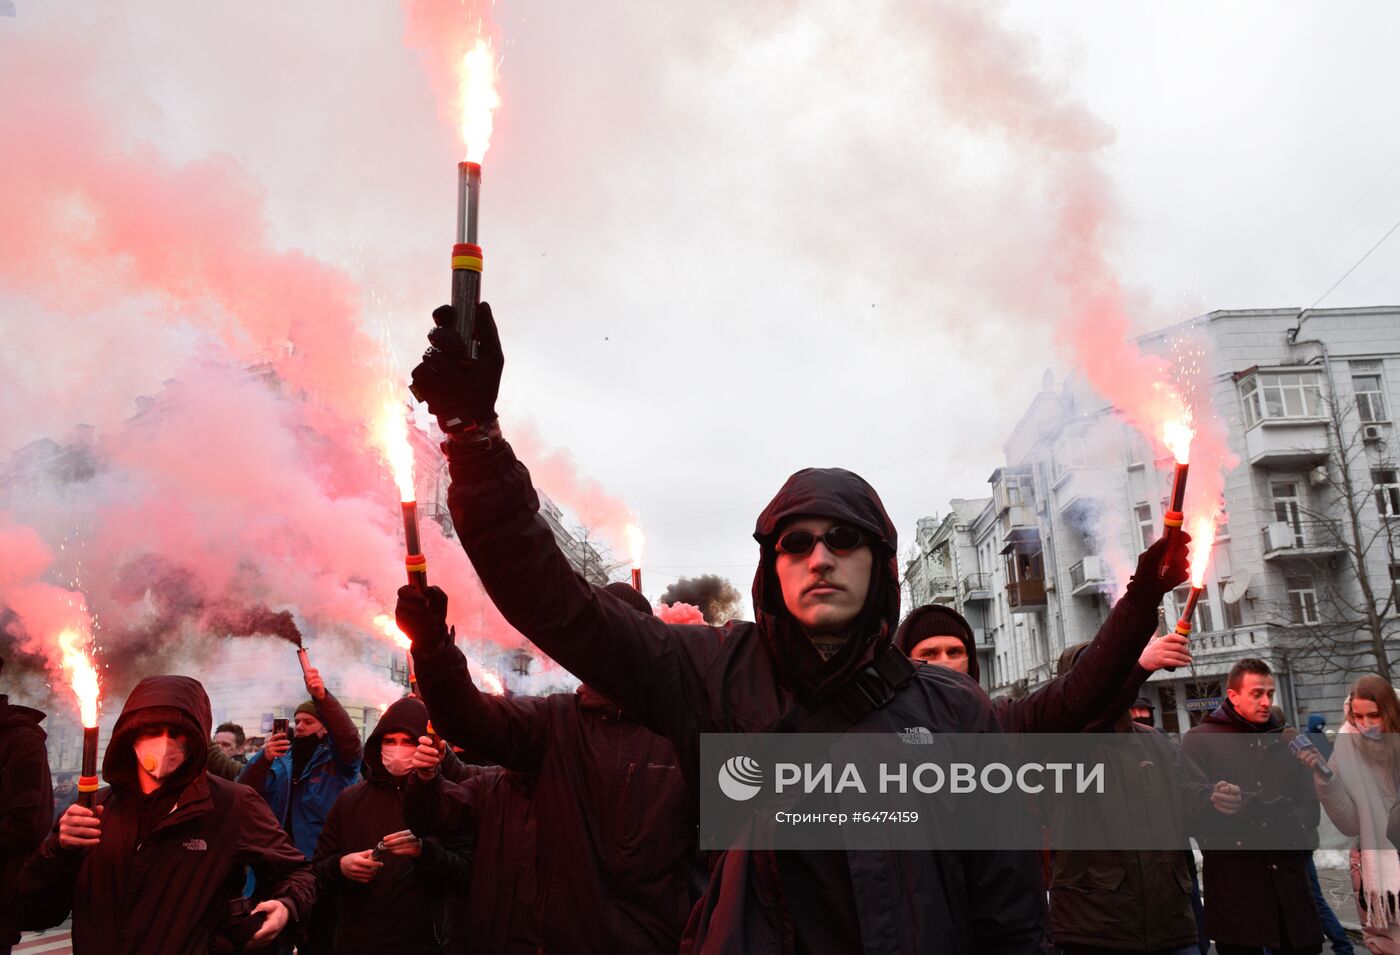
(1305, 567)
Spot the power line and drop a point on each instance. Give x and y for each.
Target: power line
(1347, 273)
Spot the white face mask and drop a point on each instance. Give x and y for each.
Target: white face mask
(397, 759)
(160, 756)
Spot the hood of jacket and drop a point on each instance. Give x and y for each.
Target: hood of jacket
(403, 716)
(159, 699)
(1316, 722)
(838, 495)
(13, 716)
(1225, 715)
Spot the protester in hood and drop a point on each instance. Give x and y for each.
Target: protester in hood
(940, 635)
(826, 593)
(158, 868)
(1113, 902)
(392, 898)
(616, 825)
(1359, 798)
(1143, 711)
(26, 803)
(1260, 797)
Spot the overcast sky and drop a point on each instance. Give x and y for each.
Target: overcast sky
(724, 244)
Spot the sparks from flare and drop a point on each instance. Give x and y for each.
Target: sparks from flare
(82, 675)
(479, 99)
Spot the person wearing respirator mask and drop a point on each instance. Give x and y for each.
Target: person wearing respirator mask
(394, 899)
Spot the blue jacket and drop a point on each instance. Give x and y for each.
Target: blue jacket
(333, 767)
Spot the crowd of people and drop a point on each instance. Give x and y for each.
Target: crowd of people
(468, 822)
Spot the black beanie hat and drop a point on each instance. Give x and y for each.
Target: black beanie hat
(628, 594)
(936, 620)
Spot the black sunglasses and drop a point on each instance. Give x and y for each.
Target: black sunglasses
(838, 539)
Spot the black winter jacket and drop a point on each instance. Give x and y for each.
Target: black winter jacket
(1129, 901)
(682, 681)
(403, 908)
(26, 803)
(1251, 894)
(615, 829)
(166, 894)
(498, 806)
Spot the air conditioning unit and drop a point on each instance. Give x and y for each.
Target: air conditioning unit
(1317, 477)
(1370, 433)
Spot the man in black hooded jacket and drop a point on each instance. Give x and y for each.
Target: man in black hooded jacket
(827, 598)
(393, 900)
(159, 866)
(616, 828)
(26, 803)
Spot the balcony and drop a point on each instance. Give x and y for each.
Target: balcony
(977, 587)
(1088, 577)
(1025, 596)
(1018, 526)
(1074, 492)
(943, 590)
(1287, 442)
(1306, 539)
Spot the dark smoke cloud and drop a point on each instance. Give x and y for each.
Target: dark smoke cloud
(254, 621)
(716, 597)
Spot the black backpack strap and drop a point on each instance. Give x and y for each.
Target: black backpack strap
(872, 688)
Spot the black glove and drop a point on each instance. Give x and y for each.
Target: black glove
(1149, 584)
(459, 392)
(422, 616)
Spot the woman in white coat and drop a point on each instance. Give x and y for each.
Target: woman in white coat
(1364, 787)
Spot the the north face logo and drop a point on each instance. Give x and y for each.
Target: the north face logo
(916, 734)
(196, 845)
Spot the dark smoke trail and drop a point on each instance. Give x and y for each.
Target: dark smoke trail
(716, 597)
(253, 621)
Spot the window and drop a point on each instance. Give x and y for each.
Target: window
(1200, 619)
(1395, 588)
(1296, 394)
(1234, 613)
(1387, 492)
(1370, 396)
(1148, 527)
(1286, 508)
(1302, 600)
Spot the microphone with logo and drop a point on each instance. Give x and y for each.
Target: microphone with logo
(1298, 744)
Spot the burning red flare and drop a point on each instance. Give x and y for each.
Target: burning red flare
(82, 675)
(390, 436)
(385, 624)
(479, 98)
(488, 681)
(1202, 531)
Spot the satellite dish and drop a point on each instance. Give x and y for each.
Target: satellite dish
(1234, 590)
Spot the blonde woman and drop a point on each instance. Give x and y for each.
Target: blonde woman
(1364, 788)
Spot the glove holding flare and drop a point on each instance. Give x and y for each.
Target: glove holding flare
(1161, 569)
(460, 392)
(422, 616)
